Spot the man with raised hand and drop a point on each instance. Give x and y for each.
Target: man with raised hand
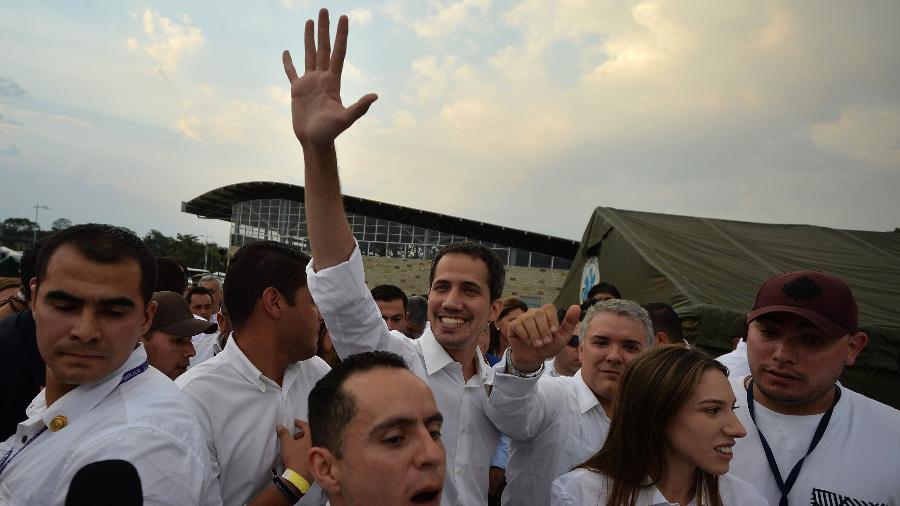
(465, 287)
(809, 439)
(556, 423)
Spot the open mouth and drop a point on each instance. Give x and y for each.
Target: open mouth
(426, 496)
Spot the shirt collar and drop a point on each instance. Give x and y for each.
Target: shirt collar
(86, 397)
(586, 397)
(436, 358)
(242, 364)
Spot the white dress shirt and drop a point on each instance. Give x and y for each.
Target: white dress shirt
(240, 408)
(356, 326)
(736, 361)
(135, 414)
(588, 488)
(206, 347)
(554, 424)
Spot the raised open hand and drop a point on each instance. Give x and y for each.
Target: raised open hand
(538, 335)
(317, 112)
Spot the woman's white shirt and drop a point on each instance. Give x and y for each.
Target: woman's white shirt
(588, 488)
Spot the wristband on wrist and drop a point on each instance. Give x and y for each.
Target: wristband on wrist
(515, 372)
(296, 480)
(285, 490)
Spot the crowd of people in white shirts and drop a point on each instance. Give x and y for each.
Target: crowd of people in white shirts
(294, 385)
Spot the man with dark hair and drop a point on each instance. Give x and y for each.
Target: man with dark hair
(811, 440)
(466, 279)
(91, 303)
(392, 303)
(171, 276)
(21, 367)
(262, 378)
(666, 324)
(376, 433)
(416, 316)
(604, 291)
(200, 300)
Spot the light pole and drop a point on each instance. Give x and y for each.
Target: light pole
(205, 250)
(37, 207)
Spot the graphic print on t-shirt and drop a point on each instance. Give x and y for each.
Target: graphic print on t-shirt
(825, 498)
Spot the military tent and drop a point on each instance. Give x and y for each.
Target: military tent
(709, 270)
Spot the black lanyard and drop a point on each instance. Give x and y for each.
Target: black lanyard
(128, 376)
(786, 486)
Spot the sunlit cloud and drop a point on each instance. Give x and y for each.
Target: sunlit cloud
(166, 41)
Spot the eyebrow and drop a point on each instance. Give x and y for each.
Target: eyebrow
(402, 421)
(62, 296)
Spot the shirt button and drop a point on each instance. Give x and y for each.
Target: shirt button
(465, 429)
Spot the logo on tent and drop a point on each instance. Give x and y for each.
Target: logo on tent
(590, 276)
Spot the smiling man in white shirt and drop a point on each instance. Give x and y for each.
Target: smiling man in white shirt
(102, 401)
(466, 279)
(555, 423)
(262, 379)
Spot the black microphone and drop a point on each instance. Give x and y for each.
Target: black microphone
(106, 482)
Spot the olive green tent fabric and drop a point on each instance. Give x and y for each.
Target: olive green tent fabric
(709, 271)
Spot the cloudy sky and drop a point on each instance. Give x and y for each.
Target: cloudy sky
(522, 113)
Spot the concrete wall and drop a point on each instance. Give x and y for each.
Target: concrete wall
(538, 286)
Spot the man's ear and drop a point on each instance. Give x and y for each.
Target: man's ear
(661, 338)
(855, 345)
(496, 307)
(271, 302)
(149, 313)
(325, 469)
(33, 284)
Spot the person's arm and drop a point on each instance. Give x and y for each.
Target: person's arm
(520, 404)
(335, 276)
(318, 117)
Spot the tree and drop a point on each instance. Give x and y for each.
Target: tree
(61, 224)
(19, 226)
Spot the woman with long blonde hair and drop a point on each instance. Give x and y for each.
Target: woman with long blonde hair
(669, 441)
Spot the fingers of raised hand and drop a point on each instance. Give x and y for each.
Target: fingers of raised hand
(323, 54)
(309, 46)
(289, 69)
(340, 45)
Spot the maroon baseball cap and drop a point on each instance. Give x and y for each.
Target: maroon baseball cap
(824, 300)
(173, 316)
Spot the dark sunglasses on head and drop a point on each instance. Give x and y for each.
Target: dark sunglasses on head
(574, 341)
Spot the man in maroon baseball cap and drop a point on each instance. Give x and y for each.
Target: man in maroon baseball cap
(168, 342)
(809, 439)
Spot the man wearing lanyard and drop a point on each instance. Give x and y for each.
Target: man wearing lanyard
(91, 303)
(465, 287)
(809, 439)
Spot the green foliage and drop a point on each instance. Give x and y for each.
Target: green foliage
(189, 250)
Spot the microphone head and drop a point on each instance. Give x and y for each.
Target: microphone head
(106, 482)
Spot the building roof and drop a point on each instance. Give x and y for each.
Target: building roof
(216, 204)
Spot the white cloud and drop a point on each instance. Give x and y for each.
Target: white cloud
(166, 41)
(360, 16)
(450, 17)
(870, 135)
(280, 94)
(188, 126)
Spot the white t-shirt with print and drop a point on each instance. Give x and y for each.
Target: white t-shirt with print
(857, 461)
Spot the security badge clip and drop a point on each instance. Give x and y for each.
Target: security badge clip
(58, 423)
